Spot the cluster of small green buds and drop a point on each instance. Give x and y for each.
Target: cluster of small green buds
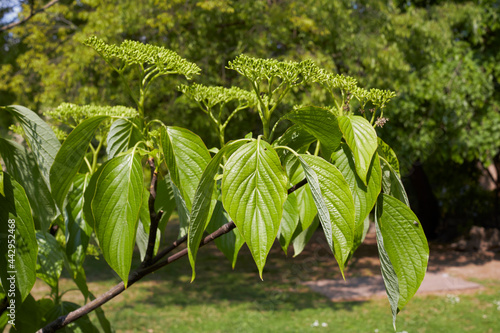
(72, 114)
(380, 98)
(290, 72)
(132, 52)
(213, 95)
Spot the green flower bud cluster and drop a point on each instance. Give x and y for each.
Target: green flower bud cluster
(212, 95)
(72, 114)
(132, 52)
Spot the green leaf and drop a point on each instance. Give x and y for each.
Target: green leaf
(123, 134)
(182, 211)
(254, 189)
(205, 200)
(144, 226)
(230, 243)
(296, 138)
(321, 123)
(165, 201)
(112, 205)
(388, 274)
(29, 316)
(21, 164)
(186, 156)
(304, 236)
(335, 205)
(391, 183)
(289, 221)
(365, 196)
(405, 243)
(81, 325)
(388, 154)
(70, 157)
(50, 259)
(362, 139)
(42, 140)
(14, 205)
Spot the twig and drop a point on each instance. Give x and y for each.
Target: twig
(32, 13)
(139, 274)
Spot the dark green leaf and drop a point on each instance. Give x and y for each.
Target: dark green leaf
(21, 164)
(143, 228)
(14, 205)
(296, 138)
(303, 236)
(362, 139)
(289, 221)
(82, 325)
(182, 211)
(321, 123)
(112, 205)
(165, 201)
(29, 316)
(391, 183)
(388, 154)
(70, 157)
(123, 134)
(42, 140)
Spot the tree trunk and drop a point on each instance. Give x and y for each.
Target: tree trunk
(428, 210)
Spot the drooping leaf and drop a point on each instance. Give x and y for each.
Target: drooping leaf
(388, 274)
(392, 184)
(405, 244)
(21, 164)
(335, 205)
(123, 134)
(289, 221)
(365, 196)
(81, 325)
(144, 227)
(50, 259)
(230, 243)
(42, 140)
(182, 211)
(14, 206)
(186, 156)
(362, 139)
(112, 205)
(254, 189)
(303, 236)
(205, 200)
(386, 152)
(70, 157)
(321, 123)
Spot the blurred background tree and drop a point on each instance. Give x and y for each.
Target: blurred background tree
(441, 57)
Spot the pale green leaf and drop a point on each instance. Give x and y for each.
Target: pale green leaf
(123, 134)
(182, 211)
(14, 205)
(362, 139)
(386, 152)
(50, 259)
(303, 236)
(254, 189)
(112, 205)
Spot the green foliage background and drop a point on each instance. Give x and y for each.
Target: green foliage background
(441, 57)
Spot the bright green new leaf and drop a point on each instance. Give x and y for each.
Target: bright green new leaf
(321, 123)
(388, 274)
(335, 205)
(230, 243)
(112, 205)
(50, 259)
(21, 164)
(405, 243)
(386, 152)
(289, 221)
(14, 206)
(302, 236)
(362, 139)
(123, 134)
(70, 157)
(205, 200)
(186, 156)
(42, 140)
(391, 182)
(365, 196)
(254, 189)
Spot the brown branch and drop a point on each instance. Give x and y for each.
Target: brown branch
(139, 274)
(32, 13)
(155, 218)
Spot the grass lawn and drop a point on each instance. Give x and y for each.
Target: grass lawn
(222, 300)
